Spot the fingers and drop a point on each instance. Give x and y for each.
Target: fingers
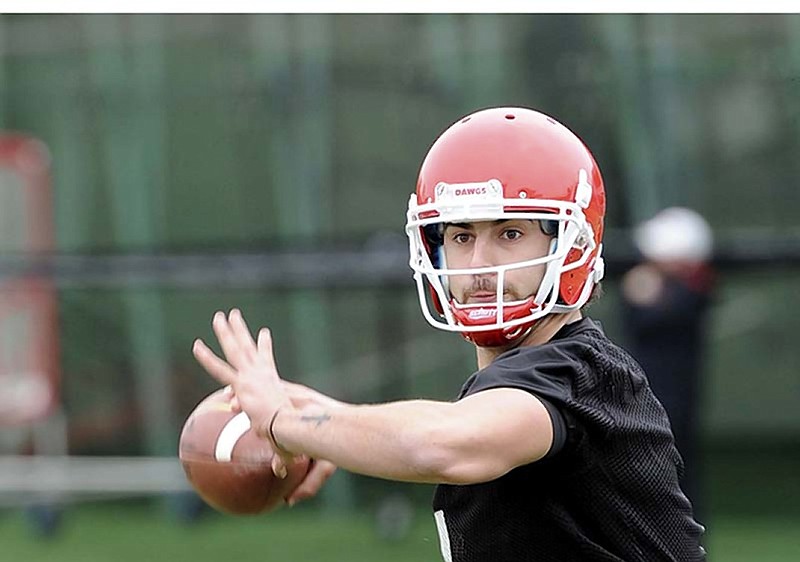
(215, 366)
(234, 338)
(245, 365)
(227, 339)
(265, 346)
(318, 474)
(242, 334)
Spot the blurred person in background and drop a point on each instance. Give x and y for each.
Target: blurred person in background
(556, 448)
(666, 299)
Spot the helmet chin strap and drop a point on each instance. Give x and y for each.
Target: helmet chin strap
(505, 341)
(517, 339)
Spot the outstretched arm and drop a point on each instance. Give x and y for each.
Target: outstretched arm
(473, 440)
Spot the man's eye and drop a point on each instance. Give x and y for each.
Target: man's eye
(461, 237)
(512, 234)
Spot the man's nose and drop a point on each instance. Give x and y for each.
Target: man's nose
(481, 253)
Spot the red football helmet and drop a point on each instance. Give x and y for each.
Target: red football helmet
(498, 164)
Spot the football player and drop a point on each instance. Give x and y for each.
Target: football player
(556, 448)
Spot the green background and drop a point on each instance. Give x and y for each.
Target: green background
(235, 133)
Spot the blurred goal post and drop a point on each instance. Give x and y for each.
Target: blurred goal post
(29, 365)
(30, 398)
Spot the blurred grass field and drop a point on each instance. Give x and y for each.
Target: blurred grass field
(754, 518)
(100, 533)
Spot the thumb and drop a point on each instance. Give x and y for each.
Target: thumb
(279, 466)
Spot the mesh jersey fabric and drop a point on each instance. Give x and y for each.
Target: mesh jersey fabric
(610, 494)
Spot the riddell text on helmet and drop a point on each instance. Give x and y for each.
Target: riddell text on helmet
(481, 313)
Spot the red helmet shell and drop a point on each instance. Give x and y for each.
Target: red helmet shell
(534, 157)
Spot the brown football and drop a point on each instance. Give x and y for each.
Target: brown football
(228, 465)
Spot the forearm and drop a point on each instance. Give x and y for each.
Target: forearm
(398, 440)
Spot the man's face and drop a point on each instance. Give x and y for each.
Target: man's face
(493, 243)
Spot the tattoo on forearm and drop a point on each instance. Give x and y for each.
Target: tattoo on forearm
(318, 419)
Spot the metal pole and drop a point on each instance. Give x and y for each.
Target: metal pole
(3, 88)
(487, 72)
(132, 124)
(637, 146)
(447, 56)
(793, 83)
(294, 54)
(669, 109)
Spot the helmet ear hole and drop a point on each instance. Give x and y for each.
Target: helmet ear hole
(549, 227)
(434, 234)
(433, 239)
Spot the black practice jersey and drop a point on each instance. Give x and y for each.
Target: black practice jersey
(608, 491)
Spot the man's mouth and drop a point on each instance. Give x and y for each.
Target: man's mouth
(482, 296)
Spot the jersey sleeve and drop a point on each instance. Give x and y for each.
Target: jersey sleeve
(559, 428)
(543, 372)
